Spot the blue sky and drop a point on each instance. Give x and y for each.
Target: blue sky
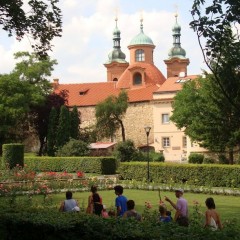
(87, 36)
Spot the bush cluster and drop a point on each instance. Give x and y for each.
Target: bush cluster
(211, 175)
(71, 226)
(100, 165)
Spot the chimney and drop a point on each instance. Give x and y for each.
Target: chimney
(55, 83)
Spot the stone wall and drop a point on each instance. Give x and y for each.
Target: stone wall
(138, 116)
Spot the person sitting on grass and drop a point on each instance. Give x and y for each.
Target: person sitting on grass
(120, 201)
(212, 218)
(70, 204)
(164, 214)
(131, 212)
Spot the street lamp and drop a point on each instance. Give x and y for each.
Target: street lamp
(147, 130)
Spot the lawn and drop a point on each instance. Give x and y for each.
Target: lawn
(227, 206)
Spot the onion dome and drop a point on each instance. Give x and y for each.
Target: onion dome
(116, 55)
(176, 50)
(141, 38)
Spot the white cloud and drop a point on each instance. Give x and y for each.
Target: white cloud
(87, 37)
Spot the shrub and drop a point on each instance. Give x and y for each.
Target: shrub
(157, 157)
(208, 160)
(223, 159)
(12, 155)
(74, 148)
(195, 158)
(125, 151)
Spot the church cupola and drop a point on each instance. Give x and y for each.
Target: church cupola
(116, 63)
(176, 50)
(177, 62)
(116, 55)
(141, 47)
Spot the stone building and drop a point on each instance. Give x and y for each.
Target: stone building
(150, 93)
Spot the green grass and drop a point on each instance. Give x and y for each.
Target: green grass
(227, 206)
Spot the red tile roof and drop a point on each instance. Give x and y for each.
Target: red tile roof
(90, 94)
(174, 84)
(152, 75)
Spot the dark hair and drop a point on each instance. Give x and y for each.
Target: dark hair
(118, 189)
(68, 195)
(210, 203)
(130, 204)
(93, 189)
(162, 209)
(96, 197)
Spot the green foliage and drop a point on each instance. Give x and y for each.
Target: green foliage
(73, 148)
(13, 154)
(216, 25)
(74, 123)
(63, 131)
(109, 115)
(40, 20)
(223, 159)
(100, 165)
(195, 158)
(51, 133)
(208, 160)
(206, 115)
(125, 151)
(208, 175)
(157, 157)
(49, 224)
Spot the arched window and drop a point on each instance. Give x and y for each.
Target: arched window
(139, 55)
(115, 79)
(137, 79)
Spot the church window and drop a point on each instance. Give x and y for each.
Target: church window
(115, 79)
(137, 79)
(139, 55)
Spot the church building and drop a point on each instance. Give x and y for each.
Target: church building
(150, 93)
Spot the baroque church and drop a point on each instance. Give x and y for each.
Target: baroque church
(150, 93)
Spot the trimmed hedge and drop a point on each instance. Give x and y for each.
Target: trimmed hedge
(192, 174)
(12, 154)
(71, 226)
(100, 165)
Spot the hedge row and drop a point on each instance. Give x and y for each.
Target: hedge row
(72, 226)
(100, 165)
(199, 175)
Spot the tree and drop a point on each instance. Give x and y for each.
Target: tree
(35, 71)
(63, 131)
(51, 133)
(39, 116)
(109, 115)
(74, 123)
(206, 116)
(16, 99)
(216, 23)
(39, 20)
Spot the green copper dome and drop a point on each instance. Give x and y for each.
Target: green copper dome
(116, 55)
(176, 50)
(141, 38)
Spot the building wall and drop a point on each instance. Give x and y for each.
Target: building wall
(177, 151)
(138, 116)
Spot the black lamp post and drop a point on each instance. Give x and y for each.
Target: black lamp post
(147, 130)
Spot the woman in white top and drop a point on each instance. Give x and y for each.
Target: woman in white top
(69, 205)
(212, 218)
